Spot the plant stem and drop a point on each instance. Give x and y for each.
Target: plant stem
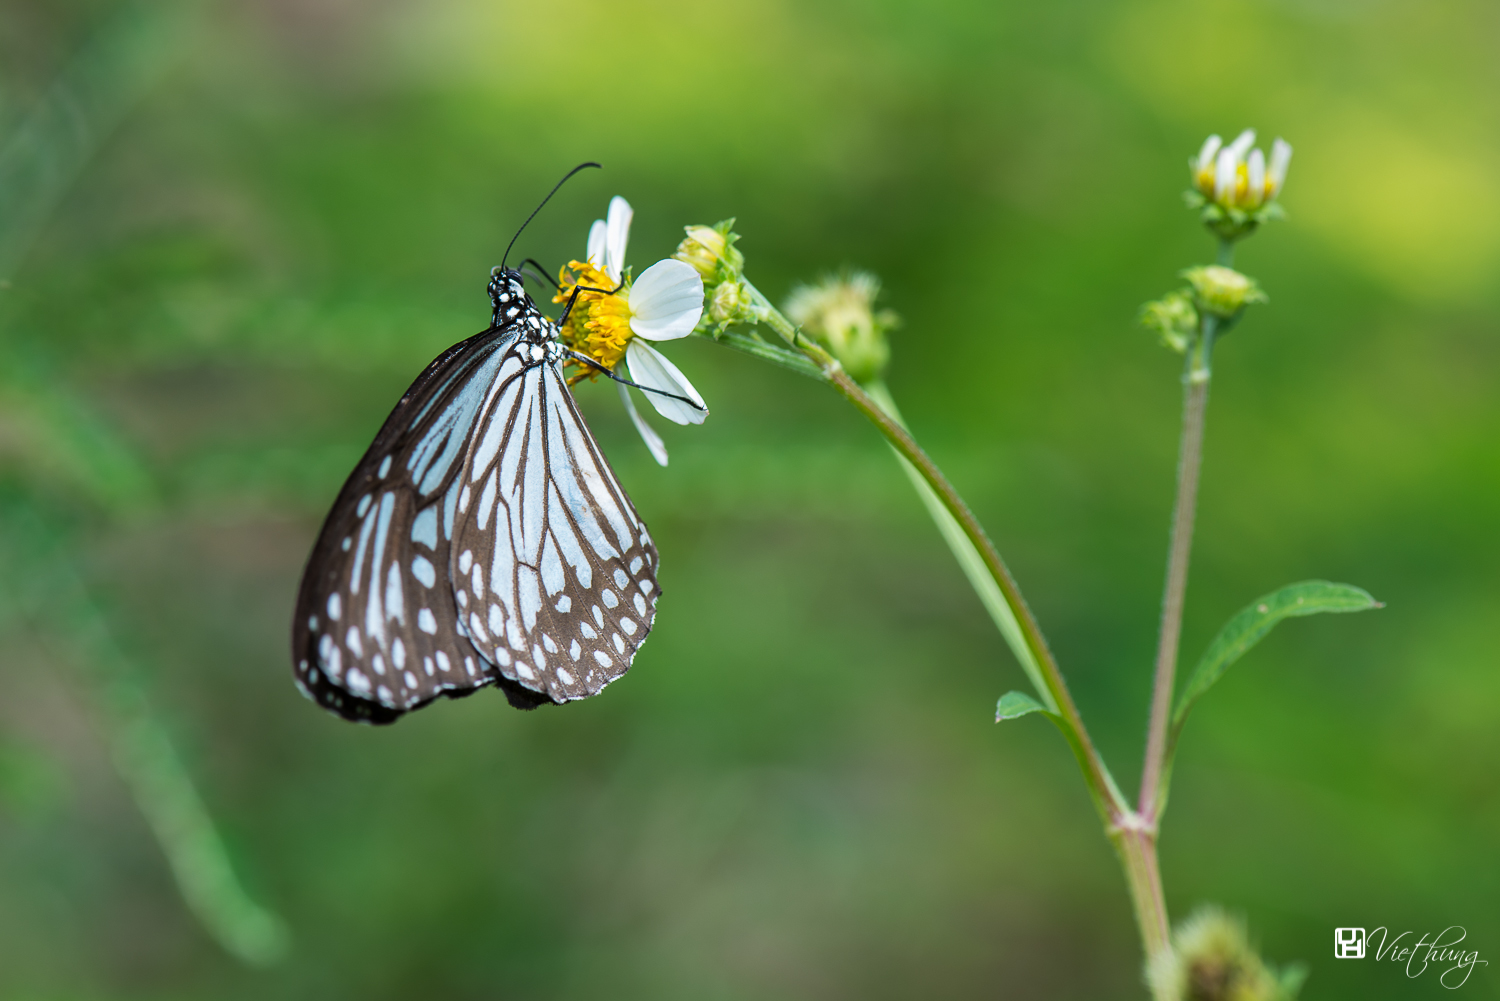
(1135, 844)
(1195, 379)
(1189, 464)
(969, 558)
(1112, 806)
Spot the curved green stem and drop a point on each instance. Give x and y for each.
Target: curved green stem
(1112, 806)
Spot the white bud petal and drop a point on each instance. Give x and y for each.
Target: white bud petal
(1255, 192)
(1206, 155)
(1281, 158)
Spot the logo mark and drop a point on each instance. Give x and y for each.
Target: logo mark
(1349, 943)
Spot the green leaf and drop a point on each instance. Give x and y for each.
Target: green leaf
(1014, 705)
(1253, 622)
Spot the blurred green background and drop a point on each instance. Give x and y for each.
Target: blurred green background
(233, 232)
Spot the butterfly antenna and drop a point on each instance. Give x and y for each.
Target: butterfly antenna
(534, 211)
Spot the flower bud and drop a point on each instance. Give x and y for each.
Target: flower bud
(1221, 291)
(730, 303)
(1174, 318)
(839, 312)
(707, 247)
(1234, 185)
(1211, 959)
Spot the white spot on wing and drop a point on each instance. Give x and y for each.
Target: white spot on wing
(424, 528)
(423, 570)
(427, 622)
(609, 597)
(335, 606)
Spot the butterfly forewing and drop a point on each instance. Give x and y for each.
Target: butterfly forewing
(483, 539)
(555, 572)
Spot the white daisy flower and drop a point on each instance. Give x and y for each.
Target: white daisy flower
(663, 304)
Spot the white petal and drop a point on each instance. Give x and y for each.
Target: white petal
(595, 255)
(1242, 144)
(650, 370)
(618, 235)
(666, 301)
(1207, 153)
(1281, 158)
(1224, 173)
(648, 433)
(1256, 176)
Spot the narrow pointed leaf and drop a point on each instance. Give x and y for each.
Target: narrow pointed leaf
(1014, 705)
(1258, 618)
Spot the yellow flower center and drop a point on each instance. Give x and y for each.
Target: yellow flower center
(599, 323)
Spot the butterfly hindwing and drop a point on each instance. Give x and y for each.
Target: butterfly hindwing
(551, 563)
(374, 634)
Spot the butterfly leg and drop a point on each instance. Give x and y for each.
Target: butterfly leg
(574, 298)
(586, 360)
(542, 271)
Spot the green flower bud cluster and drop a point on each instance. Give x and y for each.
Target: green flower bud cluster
(839, 313)
(1174, 318)
(1213, 291)
(711, 252)
(1211, 959)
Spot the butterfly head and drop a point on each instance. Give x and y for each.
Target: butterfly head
(506, 288)
(510, 300)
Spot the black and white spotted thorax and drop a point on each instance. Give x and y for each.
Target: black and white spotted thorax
(514, 310)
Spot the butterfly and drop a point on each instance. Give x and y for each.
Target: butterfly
(482, 539)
